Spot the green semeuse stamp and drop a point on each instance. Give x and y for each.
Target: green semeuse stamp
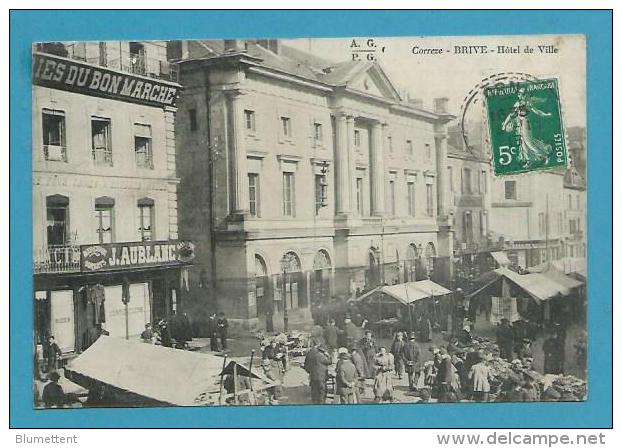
(526, 128)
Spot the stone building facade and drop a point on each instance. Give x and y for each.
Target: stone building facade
(304, 181)
(104, 183)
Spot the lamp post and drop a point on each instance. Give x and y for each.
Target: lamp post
(285, 263)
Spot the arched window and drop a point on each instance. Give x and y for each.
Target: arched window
(430, 255)
(292, 278)
(290, 262)
(410, 264)
(321, 260)
(261, 285)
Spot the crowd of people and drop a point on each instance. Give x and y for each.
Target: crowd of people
(466, 368)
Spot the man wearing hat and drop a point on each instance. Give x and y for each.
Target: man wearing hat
(351, 331)
(360, 363)
(369, 350)
(53, 394)
(397, 349)
(346, 378)
(411, 354)
(316, 364)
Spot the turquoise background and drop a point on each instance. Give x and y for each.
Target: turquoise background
(30, 26)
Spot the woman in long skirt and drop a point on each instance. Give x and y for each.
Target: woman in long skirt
(383, 382)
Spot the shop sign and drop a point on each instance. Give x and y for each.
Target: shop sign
(120, 256)
(75, 76)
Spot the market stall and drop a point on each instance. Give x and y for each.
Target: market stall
(140, 374)
(390, 307)
(508, 289)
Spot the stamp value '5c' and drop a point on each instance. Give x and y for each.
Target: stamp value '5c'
(526, 128)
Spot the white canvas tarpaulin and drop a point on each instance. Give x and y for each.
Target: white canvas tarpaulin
(162, 374)
(410, 292)
(501, 258)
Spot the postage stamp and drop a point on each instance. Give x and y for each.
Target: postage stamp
(525, 126)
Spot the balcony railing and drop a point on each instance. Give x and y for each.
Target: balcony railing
(481, 246)
(102, 156)
(144, 160)
(141, 65)
(55, 259)
(55, 153)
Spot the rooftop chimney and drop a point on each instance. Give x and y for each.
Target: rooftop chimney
(440, 105)
(233, 45)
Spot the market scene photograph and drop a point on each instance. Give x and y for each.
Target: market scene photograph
(311, 221)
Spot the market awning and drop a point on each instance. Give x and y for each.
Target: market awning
(537, 285)
(553, 272)
(162, 374)
(501, 258)
(409, 292)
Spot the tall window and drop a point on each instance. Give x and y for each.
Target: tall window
(101, 141)
(137, 58)
(286, 126)
(467, 226)
(318, 135)
(53, 126)
(411, 198)
(357, 138)
(146, 218)
(249, 120)
(104, 213)
(430, 199)
(359, 195)
(390, 144)
(253, 193)
(289, 195)
(409, 148)
(484, 182)
(466, 181)
(428, 151)
(142, 146)
(392, 197)
(192, 118)
(57, 220)
(510, 189)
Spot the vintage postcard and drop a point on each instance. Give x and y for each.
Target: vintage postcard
(311, 221)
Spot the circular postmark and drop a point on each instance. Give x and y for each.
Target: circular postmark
(473, 119)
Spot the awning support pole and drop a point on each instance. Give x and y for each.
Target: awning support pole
(222, 377)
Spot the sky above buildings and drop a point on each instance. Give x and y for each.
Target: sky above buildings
(453, 75)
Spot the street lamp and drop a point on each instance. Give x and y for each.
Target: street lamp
(285, 264)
